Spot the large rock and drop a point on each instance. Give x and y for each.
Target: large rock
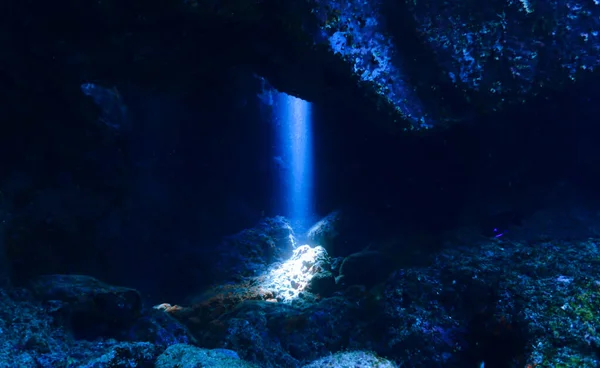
(30, 337)
(91, 308)
(352, 359)
(188, 356)
(251, 251)
(364, 268)
(429, 63)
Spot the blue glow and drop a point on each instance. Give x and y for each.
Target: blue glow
(109, 100)
(295, 147)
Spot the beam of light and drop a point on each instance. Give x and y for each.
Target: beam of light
(294, 118)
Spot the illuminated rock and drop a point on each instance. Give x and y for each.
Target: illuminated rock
(308, 270)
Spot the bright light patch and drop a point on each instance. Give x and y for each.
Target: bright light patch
(294, 121)
(293, 276)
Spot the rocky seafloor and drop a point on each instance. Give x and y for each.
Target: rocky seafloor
(503, 303)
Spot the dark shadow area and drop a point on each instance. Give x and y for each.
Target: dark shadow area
(498, 341)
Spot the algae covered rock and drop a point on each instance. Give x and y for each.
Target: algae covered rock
(188, 356)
